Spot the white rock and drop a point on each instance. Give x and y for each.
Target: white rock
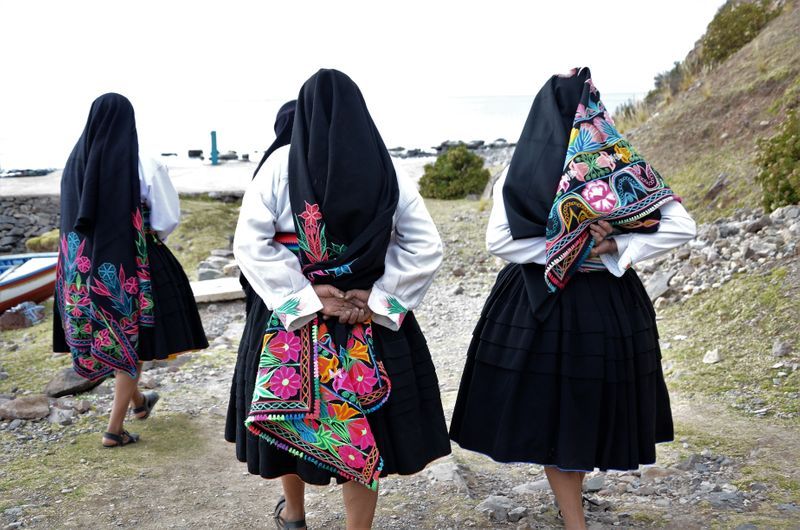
(712, 356)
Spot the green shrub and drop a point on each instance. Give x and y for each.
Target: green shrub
(734, 25)
(455, 174)
(778, 160)
(47, 242)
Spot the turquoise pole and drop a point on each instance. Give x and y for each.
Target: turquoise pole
(214, 152)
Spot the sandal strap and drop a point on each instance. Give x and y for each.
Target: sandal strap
(294, 524)
(113, 437)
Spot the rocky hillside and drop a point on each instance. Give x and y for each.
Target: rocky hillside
(703, 138)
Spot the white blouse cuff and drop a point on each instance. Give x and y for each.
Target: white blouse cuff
(298, 309)
(620, 261)
(387, 310)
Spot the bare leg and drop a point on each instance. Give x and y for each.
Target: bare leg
(567, 487)
(124, 389)
(359, 503)
(294, 493)
(137, 399)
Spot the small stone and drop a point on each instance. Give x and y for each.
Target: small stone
(595, 483)
(456, 290)
(149, 381)
(208, 274)
(781, 348)
(231, 270)
(222, 252)
(712, 356)
(61, 416)
(15, 424)
(757, 225)
(531, 487)
(497, 507)
(654, 474)
(458, 271)
(517, 513)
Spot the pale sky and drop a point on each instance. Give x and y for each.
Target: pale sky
(195, 61)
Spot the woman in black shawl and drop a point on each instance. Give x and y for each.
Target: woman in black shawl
(564, 366)
(121, 296)
(337, 382)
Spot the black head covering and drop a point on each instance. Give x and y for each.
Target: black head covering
(283, 131)
(342, 184)
(103, 284)
(538, 161)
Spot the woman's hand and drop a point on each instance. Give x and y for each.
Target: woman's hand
(600, 232)
(361, 312)
(334, 303)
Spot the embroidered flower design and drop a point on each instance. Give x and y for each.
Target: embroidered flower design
(285, 382)
(83, 264)
(328, 367)
(342, 412)
(131, 285)
(363, 378)
(599, 196)
(312, 213)
(102, 339)
(341, 381)
(285, 346)
(579, 170)
(360, 433)
(606, 160)
(623, 153)
(350, 456)
(563, 184)
(357, 350)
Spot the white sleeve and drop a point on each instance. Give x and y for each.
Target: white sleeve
(165, 207)
(413, 257)
(676, 228)
(272, 269)
(498, 234)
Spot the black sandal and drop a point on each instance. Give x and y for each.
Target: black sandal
(282, 523)
(150, 400)
(121, 439)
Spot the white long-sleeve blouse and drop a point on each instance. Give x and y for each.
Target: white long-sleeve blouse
(413, 256)
(156, 190)
(676, 228)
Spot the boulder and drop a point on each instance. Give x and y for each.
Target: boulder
(658, 284)
(67, 383)
(25, 408)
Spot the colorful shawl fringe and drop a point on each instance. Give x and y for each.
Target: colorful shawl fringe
(604, 178)
(312, 395)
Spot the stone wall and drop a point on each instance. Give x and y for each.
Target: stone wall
(24, 217)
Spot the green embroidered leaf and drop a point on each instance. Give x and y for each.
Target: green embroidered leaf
(340, 428)
(268, 360)
(395, 307)
(325, 440)
(289, 307)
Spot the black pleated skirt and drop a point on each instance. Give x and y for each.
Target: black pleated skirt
(177, 327)
(581, 389)
(409, 430)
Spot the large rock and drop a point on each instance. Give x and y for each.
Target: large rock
(67, 383)
(658, 284)
(531, 487)
(208, 274)
(25, 408)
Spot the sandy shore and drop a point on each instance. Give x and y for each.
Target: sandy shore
(186, 175)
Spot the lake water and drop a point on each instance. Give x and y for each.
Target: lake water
(30, 140)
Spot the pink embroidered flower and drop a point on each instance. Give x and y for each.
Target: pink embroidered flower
(360, 433)
(599, 196)
(311, 213)
(350, 456)
(83, 264)
(285, 346)
(563, 184)
(342, 381)
(363, 378)
(581, 112)
(606, 160)
(131, 285)
(579, 170)
(102, 339)
(87, 328)
(86, 363)
(285, 382)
